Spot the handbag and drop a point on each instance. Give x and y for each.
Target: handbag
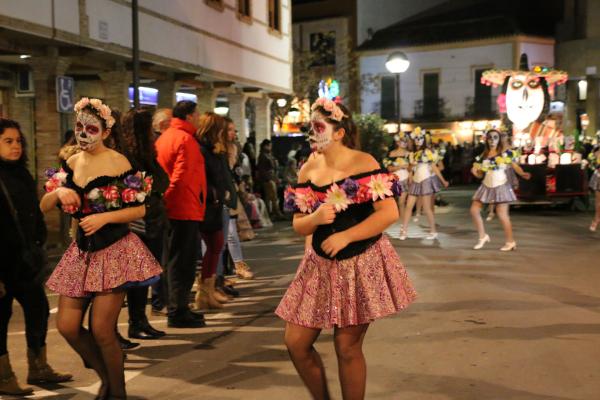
(33, 255)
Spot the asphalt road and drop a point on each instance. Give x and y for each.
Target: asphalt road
(486, 325)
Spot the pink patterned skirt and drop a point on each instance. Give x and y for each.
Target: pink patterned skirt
(358, 290)
(126, 262)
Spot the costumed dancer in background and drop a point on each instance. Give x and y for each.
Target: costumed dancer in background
(101, 190)
(425, 182)
(594, 163)
(510, 173)
(350, 274)
(496, 188)
(397, 161)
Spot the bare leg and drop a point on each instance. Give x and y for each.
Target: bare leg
(107, 307)
(597, 201)
(351, 361)
(402, 205)
(502, 212)
(476, 207)
(426, 201)
(299, 341)
(410, 204)
(69, 319)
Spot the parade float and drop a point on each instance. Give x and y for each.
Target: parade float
(549, 155)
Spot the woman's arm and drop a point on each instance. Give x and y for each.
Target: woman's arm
(63, 196)
(520, 172)
(436, 171)
(92, 223)
(386, 213)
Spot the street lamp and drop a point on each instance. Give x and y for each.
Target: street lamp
(397, 63)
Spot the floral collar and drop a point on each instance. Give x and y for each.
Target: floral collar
(361, 188)
(426, 156)
(495, 163)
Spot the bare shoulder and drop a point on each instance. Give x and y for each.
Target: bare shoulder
(73, 160)
(365, 162)
(308, 167)
(119, 162)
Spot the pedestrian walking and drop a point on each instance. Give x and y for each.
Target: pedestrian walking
(102, 191)
(22, 237)
(266, 175)
(180, 157)
(350, 274)
(496, 188)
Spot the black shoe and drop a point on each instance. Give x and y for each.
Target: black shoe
(196, 315)
(230, 291)
(185, 321)
(126, 344)
(144, 331)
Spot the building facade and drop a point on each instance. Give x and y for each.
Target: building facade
(448, 48)
(235, 52)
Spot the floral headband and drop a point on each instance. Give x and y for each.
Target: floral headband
(400, 136)
(330, 106)
(103, 110)
(417, 132)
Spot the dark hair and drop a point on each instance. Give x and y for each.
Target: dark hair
(228, 120)
(138, 138)
(115, 140)
(184, 108)
(351, 138)
(211, 129)
(6, 123)
(69, 137)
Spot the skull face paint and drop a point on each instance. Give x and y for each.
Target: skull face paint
(401, 142)
(88, 131)
(493, 138)
(419, 141)
(321, 134)
(524, 100)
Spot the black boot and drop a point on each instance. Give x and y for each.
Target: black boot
(143, 330)
(126, 344)
(228, 290)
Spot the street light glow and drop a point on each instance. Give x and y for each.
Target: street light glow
(397, 62)
(281, 102)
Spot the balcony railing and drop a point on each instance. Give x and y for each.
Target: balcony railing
(434, 109)
(482, 108)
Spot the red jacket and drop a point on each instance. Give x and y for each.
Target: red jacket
(179, 155)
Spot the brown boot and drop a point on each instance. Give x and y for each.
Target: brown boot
(41, 372)
(218, 295)
(8, 380)
(205, 299)
(243, 271)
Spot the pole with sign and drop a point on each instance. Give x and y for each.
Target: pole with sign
(65, 90)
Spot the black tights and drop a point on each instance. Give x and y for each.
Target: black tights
(99, 347)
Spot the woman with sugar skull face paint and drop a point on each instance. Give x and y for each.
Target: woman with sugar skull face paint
(425, 182)
(99, 188)
(397, 162)
(496, 187)
(350, 274)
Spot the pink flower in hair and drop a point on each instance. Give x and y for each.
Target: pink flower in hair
(96, 103)
(337, 114)
(81, 104)
(329, 106)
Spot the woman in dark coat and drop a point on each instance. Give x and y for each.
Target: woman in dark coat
(21, 274)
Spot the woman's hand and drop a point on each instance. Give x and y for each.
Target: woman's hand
(68, 197)
(2, 290)
(445, 183)
(324, 215)
(526, 176)
(92, 223)
(335, 243)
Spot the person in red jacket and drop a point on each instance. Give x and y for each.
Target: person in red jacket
(179, 155)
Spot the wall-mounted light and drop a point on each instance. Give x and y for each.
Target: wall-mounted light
(281, 102)
(24, 56)
(221, 106)
(582, 86)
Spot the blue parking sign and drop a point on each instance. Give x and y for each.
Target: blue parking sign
(65, 91)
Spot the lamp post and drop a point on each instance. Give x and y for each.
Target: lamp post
(397, 63)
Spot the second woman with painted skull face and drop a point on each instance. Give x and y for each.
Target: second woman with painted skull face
(342, 204)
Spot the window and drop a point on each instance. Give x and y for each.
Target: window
(216, 4)
(389, 109)
(482, 105)
(275, 15)
(322, 49)
(431, 94)
(244, 8)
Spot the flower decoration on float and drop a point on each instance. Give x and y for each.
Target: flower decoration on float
(330, 106)
(102, 109)
(417, 132)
